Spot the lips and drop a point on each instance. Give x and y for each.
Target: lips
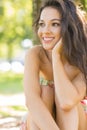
(47, 39)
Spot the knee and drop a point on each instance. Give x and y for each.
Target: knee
(66, 107)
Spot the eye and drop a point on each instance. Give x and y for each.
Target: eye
(41, 24)
(55, 24)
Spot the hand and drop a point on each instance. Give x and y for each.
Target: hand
(58, 47)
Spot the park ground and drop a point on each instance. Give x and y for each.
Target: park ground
(12, 101)
(12, 110)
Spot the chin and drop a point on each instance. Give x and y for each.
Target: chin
(47, 48)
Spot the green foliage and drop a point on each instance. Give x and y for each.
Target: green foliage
(83, 3)
(11, 111)
(20, 108)
(15, 22)
(4, 114)
(11, 83)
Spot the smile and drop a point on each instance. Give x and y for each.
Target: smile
(48, 39)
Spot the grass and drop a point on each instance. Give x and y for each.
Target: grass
(11, 83)
(12, 111)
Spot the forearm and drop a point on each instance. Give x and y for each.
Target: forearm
(40, 114)
(66, 93)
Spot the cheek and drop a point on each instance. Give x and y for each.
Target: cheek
(39, 33)
(58, 33)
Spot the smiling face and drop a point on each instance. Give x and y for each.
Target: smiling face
(49, 31)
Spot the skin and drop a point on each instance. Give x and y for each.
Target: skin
(69, 88)
(49, 31)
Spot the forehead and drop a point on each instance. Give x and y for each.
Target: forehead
(50, 13)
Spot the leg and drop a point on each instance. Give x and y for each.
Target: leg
(31, 124)
(47, 96)
(67, 120)
(82, 118)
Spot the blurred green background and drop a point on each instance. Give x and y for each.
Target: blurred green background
(15, 38)
(15, 26)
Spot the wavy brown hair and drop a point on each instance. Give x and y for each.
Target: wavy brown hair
(74, 32)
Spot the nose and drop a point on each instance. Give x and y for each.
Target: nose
(47, 29)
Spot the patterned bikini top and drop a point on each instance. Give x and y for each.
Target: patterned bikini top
(46, 82)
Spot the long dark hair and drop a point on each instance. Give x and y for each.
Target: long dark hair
(74, 33)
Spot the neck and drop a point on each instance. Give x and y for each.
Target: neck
(49, 55)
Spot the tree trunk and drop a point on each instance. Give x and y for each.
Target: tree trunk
(36, 7)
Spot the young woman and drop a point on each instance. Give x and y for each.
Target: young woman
(55, 76)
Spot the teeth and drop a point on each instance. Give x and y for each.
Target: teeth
(47, 38)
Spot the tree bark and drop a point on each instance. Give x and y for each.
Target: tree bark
(36, 6)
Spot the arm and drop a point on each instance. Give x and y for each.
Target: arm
(69, 93)
(37, 108)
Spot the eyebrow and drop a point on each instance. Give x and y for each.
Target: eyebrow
(56, 19)
(52, 20)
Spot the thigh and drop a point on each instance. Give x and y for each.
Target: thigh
(47, 95)
(82, 118)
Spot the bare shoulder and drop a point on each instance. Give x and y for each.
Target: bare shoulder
(34, 50)
(33, 54)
